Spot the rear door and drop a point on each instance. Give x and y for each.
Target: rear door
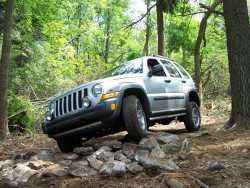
(175, 90)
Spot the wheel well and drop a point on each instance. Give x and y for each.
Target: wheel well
(142, 97)
(193, 96)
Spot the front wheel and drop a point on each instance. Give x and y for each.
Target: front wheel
(134, 117)
(192, 120)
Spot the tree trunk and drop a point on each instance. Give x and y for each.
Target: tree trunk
(107, 39)
(4, 67)
(200, 37)
(145, 49)
(238, 40)
(160, 27)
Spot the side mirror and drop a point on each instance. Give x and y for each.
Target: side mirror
(150, 74)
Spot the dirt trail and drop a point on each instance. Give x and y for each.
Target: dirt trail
(229, 148)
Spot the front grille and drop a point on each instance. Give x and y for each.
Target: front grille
(70, 102)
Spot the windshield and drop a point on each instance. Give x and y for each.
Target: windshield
(130, 67)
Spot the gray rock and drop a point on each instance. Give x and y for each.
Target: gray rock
(174, 183)
(149, 143)
(106, 156)
(150, 163)
(134, 168)
(171, 148)
(55, 170)
(81, 169)
(114, 168)
(113, 144)
(129, 150)
(215, 166)
(6, 164)
(119, 156)
(157, 153)
(165, 138)
(101, 150)
(141, 154)
(84, 151)
(44, 155)
(94, 163)
(70, 156)
(186, 146)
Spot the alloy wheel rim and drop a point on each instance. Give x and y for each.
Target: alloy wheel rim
(195, 116)
(141, 116)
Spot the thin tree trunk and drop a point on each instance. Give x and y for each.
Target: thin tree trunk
(200, 37)
(160, 27)
(238, 40)
(4, 67)
(107, 40)
(145, 49)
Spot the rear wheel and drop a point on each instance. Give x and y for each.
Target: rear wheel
(134, 117)
(68, 144)
(192, 120)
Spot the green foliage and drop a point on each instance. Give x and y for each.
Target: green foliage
(21, 112)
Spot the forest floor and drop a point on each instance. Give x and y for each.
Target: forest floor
(212, 143)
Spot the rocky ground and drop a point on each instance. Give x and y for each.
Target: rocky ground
(170, 157)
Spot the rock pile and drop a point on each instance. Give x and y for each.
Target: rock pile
(111, 158)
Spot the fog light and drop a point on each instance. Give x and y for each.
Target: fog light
(86, 102)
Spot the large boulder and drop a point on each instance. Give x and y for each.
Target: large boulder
(6, 164)
(129, 150)
(149, 143)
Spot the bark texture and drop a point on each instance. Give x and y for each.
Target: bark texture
(198, 43)
(107, 39)
(238, 40)
(160, 27)
(146, 45)
(4, 67)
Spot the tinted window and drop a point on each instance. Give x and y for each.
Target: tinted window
(131, 67)
(184, 73)
(156, 68)
(173, 72)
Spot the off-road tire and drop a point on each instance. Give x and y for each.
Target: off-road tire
(132, 122)
(188, 119)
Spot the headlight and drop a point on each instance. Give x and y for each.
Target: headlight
(86, 102)
(49, 116)
(97, 89)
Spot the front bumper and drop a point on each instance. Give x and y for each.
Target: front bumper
(101, 112)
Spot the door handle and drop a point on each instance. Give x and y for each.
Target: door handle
(183, 81)
(167, 81)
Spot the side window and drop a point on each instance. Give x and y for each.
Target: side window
(156, 68)
(173, 72)
(183, 71)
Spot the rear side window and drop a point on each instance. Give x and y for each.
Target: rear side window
(173, 72)
(183, 71)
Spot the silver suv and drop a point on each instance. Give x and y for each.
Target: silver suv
(131, 97)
